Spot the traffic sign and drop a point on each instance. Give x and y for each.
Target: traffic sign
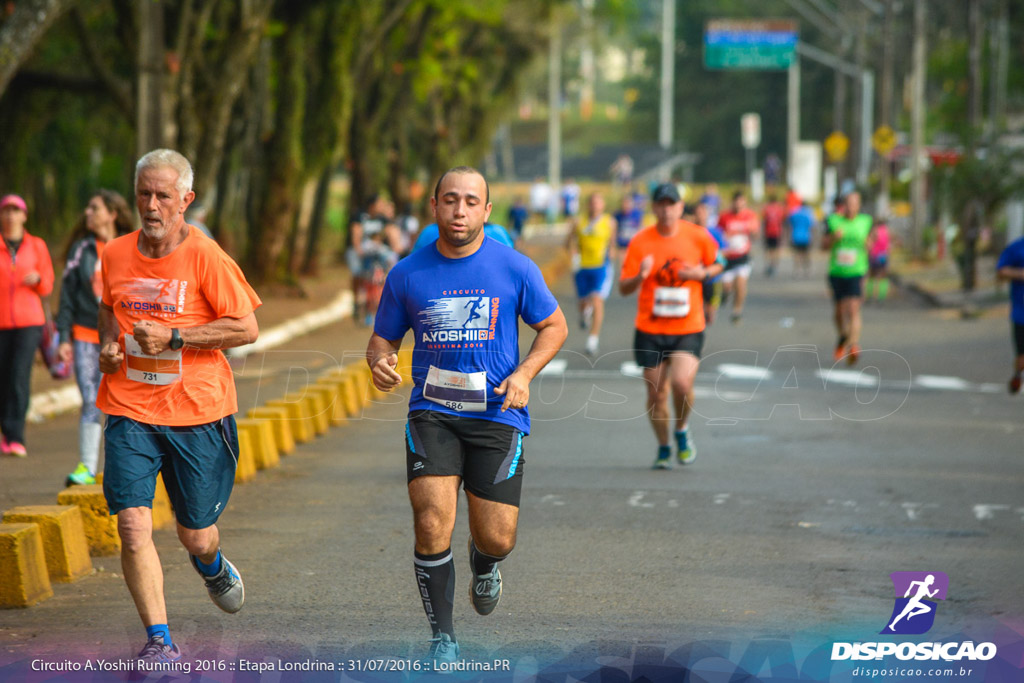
(883, 140)
(836, 146)
(750, 130)
(750, 43)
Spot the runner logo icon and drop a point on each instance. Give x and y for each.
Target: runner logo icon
(915, 594)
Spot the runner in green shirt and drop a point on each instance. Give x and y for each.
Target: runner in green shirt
(847, 239)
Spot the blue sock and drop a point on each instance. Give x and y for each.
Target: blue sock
(209, 569)
(160, 630)
(664, 451)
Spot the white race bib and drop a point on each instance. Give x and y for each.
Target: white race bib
(463, 391)
(163, 368)
(671, 302)
(846, 257)
(739, 242)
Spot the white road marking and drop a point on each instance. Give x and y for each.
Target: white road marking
(636, 500)
(631, 369)
(736, 371)
(556, 367)
(986, 511)
(559, 367)
(913, 510)
(939, 382)
(848, 377)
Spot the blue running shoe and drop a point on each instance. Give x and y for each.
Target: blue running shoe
(686, 452)
(664, 459)
(443, 651)
(225, 587)
(158, 652)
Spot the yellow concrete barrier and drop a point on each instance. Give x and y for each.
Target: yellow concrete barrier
(364, 382)
(24, 579)
(316, 410)
(281, 423)
(405, 365)
(351, 399)
(262, 442)
(163, 513)
(64, 544)
(331, 396)
(245, 463)
(100, 525)
(298, 416)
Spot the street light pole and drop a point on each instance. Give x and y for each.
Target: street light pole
(917, 131)
(668, 66)
(555, 107)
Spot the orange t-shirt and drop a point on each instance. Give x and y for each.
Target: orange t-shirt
(667, 304)
(195, 284)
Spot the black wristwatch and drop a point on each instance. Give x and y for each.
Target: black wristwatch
(176, 341)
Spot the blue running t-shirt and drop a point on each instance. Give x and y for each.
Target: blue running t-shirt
(1013, 257)
(464, 314)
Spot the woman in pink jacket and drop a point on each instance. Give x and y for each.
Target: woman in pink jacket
(26, 273)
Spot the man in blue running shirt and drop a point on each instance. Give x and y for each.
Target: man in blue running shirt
(1011, 268)
(467, 411)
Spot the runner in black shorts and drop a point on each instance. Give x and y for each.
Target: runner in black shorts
(668, 262)
(467, 411)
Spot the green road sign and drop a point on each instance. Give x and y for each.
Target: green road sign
(750, 44)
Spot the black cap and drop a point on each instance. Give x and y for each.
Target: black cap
(665, 191)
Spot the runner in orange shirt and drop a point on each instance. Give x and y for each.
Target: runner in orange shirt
(172, 299)
(668, 262)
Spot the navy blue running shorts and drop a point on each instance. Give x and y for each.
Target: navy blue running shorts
(487, 455)
(198, 465)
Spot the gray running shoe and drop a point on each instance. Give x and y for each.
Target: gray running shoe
(157, 652)
(484, 589)
(225, 588)
(443, 650)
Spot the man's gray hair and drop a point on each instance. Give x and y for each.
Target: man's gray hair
(167, 158)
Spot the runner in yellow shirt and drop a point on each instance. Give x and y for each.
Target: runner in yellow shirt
(592, 246)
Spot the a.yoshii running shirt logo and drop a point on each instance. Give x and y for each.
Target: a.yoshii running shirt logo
(154, 295)
(459, 321)
(915, 601)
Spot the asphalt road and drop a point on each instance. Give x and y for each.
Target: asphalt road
(812, 484)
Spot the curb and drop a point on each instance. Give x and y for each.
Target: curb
(55, 402)
(930, 297)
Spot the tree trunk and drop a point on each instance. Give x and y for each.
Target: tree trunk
(975, 29)
(22, 30)
(228, 86)
(283, 162)
(310, 263)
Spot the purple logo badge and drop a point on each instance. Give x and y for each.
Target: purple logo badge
(915, 593)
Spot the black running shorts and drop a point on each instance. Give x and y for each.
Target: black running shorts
(487, 455)
(845, 287)
(653, 349)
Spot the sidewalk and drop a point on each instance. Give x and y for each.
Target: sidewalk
(938, 284)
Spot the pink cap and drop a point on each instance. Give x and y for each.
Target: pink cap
(13, 200)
